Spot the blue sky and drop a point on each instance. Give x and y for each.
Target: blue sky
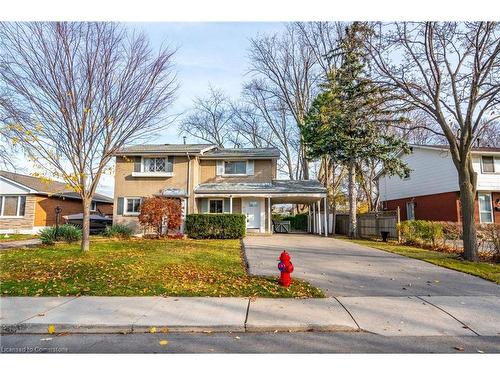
(208, 53)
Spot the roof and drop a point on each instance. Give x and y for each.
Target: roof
(446, 148)
(42, 186)
(206, 150)
(267, 152)
(165, 149)
(275, 187)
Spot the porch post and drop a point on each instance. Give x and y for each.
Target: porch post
(326, 217)
(308, 218)
(314, 218)
(269, 215)
(230, 204)
(319, 217)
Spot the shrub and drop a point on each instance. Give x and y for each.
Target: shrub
(299, 221)
(66, 232)
(48, 235)
(417, 231)
(220, 226)
(160, 213)
(490, 234)
(118, 231)
(69, 233)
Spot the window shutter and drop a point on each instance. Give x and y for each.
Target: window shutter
(226, 205)
(204, 205)
(220, 167)
(250, 167)
(119, 209)
(137, 164)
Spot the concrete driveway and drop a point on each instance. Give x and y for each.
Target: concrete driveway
(344, 269)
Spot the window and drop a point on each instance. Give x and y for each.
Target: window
(235, 167)
(485, 208)
(132, 205)
(488, 164)
(406, 176)
(410, 211)
(158, 164)
(93, 206)
(215, 206)
(12, 205)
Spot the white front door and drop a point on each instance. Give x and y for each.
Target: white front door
(252, 210)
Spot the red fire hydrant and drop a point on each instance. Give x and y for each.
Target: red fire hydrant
(286, 268)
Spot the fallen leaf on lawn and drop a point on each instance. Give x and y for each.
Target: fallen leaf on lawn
(63, 334)
(459, 348)
(163, 342)
(152, 330)
(46, 339)
(164, 330)
(51, 329)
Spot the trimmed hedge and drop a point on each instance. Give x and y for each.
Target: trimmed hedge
(217, 226)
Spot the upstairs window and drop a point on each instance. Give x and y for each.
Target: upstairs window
(235, 167)
(158, 164)
(488, 164)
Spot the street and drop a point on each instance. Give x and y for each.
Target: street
(299, 342)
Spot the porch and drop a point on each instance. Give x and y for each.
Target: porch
(255, 200)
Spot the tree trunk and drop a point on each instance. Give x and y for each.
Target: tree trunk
(353, 223)
(86, 224)
(467, 200)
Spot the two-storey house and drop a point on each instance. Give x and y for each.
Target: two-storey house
(431, 190)
(210, 179)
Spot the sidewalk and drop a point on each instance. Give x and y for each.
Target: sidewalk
(388, 316)
(19, 244)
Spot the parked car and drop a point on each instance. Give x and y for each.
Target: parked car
(98, 221)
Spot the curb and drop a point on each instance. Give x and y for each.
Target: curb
(35, 328)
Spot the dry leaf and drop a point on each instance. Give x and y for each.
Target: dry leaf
(163, 342)
(152, 330)
(459, 348)
(164, 330)
(51, 329)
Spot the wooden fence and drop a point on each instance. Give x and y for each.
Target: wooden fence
(370, 224)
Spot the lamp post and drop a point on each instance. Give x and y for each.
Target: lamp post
(58, 211)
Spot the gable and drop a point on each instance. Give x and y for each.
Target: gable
(10, 187)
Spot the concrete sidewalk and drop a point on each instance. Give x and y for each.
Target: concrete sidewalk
(20, 244)
(388, 316)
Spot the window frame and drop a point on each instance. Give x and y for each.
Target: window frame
(491, 211)
(245, 162)
(222, 205)
(18, 206)
(93, 206)
(493, 164)
(168, 160)
(413, 210)
(126, 212)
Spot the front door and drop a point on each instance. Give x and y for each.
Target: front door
(253, 214)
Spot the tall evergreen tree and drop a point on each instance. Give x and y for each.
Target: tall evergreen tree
(349, 119)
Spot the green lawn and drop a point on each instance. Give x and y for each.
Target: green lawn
(139, 268)
(488, 271)
(16, 237)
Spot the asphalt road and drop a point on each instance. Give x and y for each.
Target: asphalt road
(305, 342)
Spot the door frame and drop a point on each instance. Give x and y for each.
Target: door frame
(261, 212)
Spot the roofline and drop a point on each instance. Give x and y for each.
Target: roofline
(156, 152)
(264, 194)
(446, 148)
(215, 157)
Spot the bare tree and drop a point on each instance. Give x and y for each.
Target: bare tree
(210, 118)
(285, 63)
(451, 72)
(80, 91)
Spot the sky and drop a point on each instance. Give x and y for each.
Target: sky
(208, 53)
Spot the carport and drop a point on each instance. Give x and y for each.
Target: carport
(255, 200)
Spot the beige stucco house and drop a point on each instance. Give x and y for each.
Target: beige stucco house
(210, 179)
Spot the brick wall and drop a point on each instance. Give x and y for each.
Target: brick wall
(437, 207)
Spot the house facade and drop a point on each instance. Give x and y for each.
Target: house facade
(431, 190)
(27, 203)
(208, 179)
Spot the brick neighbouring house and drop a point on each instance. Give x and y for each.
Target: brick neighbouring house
(431, 191)
(27, 203)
